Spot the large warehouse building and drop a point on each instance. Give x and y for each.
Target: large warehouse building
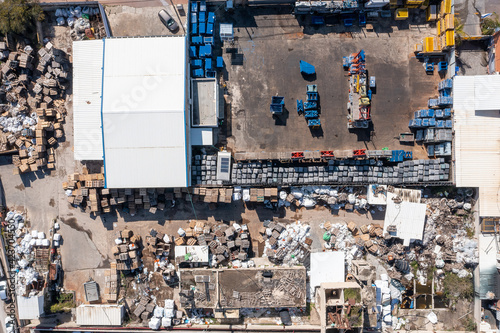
(131, 110)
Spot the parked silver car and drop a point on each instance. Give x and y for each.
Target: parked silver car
(169, 22)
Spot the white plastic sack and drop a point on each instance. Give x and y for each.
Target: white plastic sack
(308, 202)
(181, 232)
(236, 196)
(154, 323)
(246, 195)
(57, 237)
(169, 304)
(351, 198)
(70, 21)
(432, 317)
(45, 242)
(283, 195)
(118, 241)
(166, 322)
(169, 313)
(158, 312)
(41, 235)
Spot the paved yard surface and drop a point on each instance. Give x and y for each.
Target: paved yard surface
(264, 61)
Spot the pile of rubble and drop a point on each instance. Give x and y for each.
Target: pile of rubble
(30, 254)
(445, 244)
(288, 245)
(160, 316)
(159, 246)
(226, 243)
(33, 94)
(345, 171)
(126, 251)
(80, 20)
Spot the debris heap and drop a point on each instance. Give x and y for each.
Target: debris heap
(287, 245)
(33, 94)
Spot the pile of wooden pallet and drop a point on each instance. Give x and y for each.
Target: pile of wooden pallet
(111, 286)
(86, 189)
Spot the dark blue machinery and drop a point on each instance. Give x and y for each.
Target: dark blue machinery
(208, 64)
(429, 68)
(300, 107)
(312, 92)
(194, 28)
(194, 18)
(306, 68)
(196, 63)
(198, 72)
(310, 105)
(442, 66)
(277, 104)
(210, 29)
(362, 19)
(197, 40)
(314, 123)
(208, 40)
(203, 6)
(192, 51)
(317, 20)
(202, 28)
(219, 62)
(194, 7)
(311, 114)
(202, 17)
(211, 17)
(210, 74)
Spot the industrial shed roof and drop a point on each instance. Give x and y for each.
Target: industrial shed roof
(476, 104)
(99, 315)
(142, 114)
(87, 91)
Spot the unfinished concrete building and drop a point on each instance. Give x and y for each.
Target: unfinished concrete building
(340, 306)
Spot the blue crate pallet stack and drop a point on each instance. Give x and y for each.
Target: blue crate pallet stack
(433, 126)
(310, 107)
(201, 38)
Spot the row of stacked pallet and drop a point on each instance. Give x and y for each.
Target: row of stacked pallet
(445, 24)
(433, 126)
(202, 40)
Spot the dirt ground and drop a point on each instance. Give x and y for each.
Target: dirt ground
(264, 59)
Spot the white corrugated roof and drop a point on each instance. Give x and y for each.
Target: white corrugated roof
(486, 88)
(87, 85)
(477, 139)
(144, 112)
(99, 315)
(30, 307)
(409, 219)
(326, 267)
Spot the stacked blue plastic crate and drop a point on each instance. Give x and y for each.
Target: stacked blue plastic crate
(433, 126)
(200, 50)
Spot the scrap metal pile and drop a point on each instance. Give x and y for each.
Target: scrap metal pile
(226, 243)
(32, 94)
(445, 244)
(287, 245)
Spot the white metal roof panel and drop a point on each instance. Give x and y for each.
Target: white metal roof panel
(144, 112)
(477, 139)
(409, 219)
(30, 307)
(87, 90)
(326, 267)
(99, 315)
(486, 89)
